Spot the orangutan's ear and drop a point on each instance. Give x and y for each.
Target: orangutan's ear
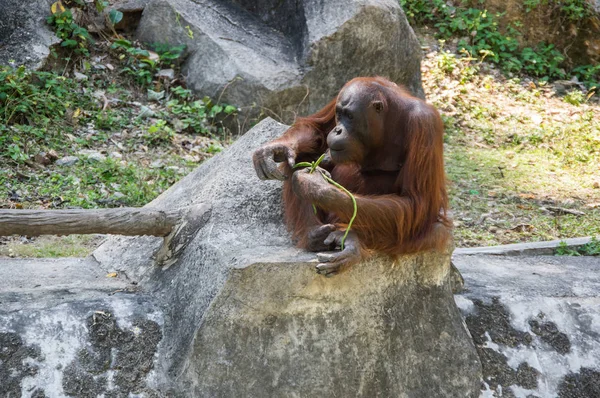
(378, 105)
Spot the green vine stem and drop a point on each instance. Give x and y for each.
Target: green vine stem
(329, 180)
(313, 166)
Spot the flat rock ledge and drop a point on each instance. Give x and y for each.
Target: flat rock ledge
(379, 329)
(242, 313)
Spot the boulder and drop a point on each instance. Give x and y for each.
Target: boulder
(263, 56)
(243, 302)
(240, 313)
(25, 38)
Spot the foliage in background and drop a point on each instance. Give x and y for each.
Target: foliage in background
(128, 107)
(480, 34)
(142, 64)
(43, 111)
(573, 10)
(35, 98)
(72, 36)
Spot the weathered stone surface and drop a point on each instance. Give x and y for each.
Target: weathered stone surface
(379, 329)
(25, 38)
(535, 321)
(525, 249)
(68, 330)
(262, 56)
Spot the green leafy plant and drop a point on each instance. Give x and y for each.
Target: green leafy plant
(159, 133)
(138, 62)
(27, 94)
(107, 120)
(72, 36)
(589, 75)
(592, 248)
(46, 114)
(575, 97)
(544, 61)
(199, 116)
(115, 16)
(168, 55)
(15, 153)
(563, 249)
(143, 65)
(426, 11)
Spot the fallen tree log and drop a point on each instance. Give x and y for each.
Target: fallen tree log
(177, 226)
(121, 221)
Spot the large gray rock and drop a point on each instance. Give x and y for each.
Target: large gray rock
(283, 58)
(535, 321)
(242, 313)
(25, 38)
(259, 314)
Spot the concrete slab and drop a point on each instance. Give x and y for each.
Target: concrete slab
(43, 282)
(528, 248)
(535, 321)
(62, 320)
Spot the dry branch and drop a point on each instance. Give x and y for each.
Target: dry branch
(122, 221)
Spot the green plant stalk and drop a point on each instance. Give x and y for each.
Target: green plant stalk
(335, 184)
(316, 163)
(303, 164)
(313, 166)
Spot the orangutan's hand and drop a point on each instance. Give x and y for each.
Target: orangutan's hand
(265, 161)
(314, 188)
(330, 263)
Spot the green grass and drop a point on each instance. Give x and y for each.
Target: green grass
(51, 246)
(91, 184)
(512, 150)
(134, 134)
(482, 33)
(156, 142)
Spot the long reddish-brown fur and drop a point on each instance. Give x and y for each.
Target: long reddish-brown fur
(402, 214)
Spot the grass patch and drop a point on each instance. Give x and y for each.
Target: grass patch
(481, 33)
(515, 153)
(130, 142)
(108, 123)
(50, 246)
